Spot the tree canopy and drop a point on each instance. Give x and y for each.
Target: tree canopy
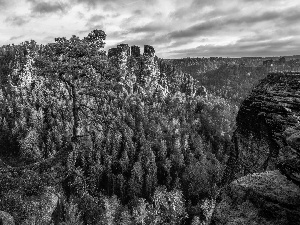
(136, 141)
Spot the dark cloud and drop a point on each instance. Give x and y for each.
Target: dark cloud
(3, 3)
(182, 42)
(150, 27)
(196, 30)
(147, 39)
(92, 2)
(93, 23)
(113, 4)
(291, 15)
(17, 20)
(257, 1)
(234, 21)
(106, 4)
(13, 38)
(197, 4)
(266, 45)
(137, 12)
(45, 7)
(243, 47)
(258, 37)
(96, 18)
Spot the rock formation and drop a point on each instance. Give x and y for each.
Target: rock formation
(149, 51)
(113, 52)
(268, 132)
(265, 157)
(124, 48)
(135, 51)
(126, 58)
(262, 198)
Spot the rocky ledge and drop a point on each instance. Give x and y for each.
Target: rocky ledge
(267, 198)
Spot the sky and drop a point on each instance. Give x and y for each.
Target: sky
(175, 28)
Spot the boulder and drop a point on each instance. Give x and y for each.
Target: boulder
(266, 198)
(6, 218)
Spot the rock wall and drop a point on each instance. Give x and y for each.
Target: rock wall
(268, 127)
(149, 51)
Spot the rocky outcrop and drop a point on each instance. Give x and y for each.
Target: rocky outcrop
(267, 138)
(268, 128)
(135, 51)
(149, 51)
(6, 218)
(262, 198)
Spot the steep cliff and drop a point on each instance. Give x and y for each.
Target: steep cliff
(268, 131)
(267, 138)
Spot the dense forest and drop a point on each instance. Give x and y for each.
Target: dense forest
(125, 139)
(232, 79)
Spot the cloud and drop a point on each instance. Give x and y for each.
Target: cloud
(291, 16)
(96, 19)
(137, 12)
(152, 39)
(13, 38)
(45, 7)
(110, 5)
(196, 30)
(196, 27)
(244, 47)
(17, 20)
(92, 2)
(235, 21)
(197, 3)
(3, 3)
(150, 27)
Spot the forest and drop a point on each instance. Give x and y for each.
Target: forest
(125, 139)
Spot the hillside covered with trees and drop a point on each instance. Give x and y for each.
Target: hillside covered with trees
(121, 139)
(233, 78)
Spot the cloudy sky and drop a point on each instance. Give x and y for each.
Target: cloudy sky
(176, 28)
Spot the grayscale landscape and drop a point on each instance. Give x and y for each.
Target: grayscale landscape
(136, 112)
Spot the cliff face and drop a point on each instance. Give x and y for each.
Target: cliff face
(268, 131)
(267, 138)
